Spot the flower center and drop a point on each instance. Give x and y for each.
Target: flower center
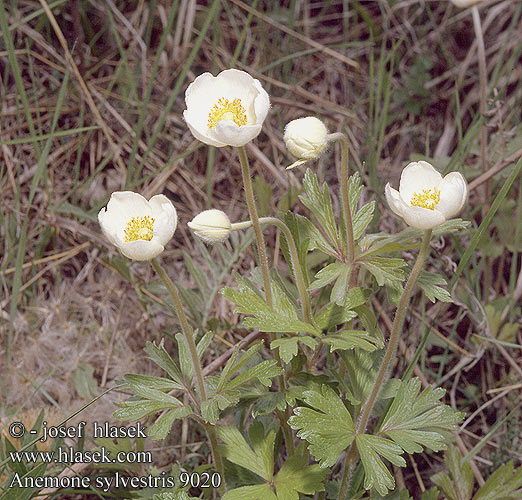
(226, 110)
(139, 228)
(428, 198)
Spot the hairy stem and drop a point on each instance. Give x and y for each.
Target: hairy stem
(263, 260)
(345, 199)
(187, 332)
(252, 210)
(395, 334)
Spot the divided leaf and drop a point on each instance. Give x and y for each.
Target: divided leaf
(288, 346)
(318, 201)
(415, 420)
(283, 317)
(295, 477)
(259, 459)
(350, 339)
(386, 270)
(328, 427)
(376, 474)
(429, 283)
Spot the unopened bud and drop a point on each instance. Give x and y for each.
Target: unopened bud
(306, 138)
(212, 226)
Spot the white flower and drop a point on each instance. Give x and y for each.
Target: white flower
(465, 3)
(306, 138)
(139, 228)
(226, 110)
(425, 199)
(211, 226)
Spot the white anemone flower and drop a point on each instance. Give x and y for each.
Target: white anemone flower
(226, 110)
(465, 3)
(139, 228)
(425, 199)
(212, 226)
(306, 138)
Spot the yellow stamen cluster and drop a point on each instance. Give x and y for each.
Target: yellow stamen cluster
(428, 198)
(226, 110)
(139, 228)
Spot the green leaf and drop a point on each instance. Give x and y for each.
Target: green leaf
(264, 372)
(283, 317)
(295, 477)
(376, 474)
(350, 339)
(341, 287)
(161, 357)
(232, 366)
(369, 321)
(288, 346)
(163, 424)
(154, 395)
(332, 315)
(414, 421)
(501, 485)
(429, 283)
(315, 239)
(259, 460)
(158, 383)
(328, 427)
(134, 410)
(185, 359)
(267, 402)
(326, 275)
(362, 218)
(255, 492)
(355, 190)
(320, 204)
(385, 269)
(458, 485)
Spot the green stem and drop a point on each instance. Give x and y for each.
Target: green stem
(263, 260)
(345, 198)
(299, 277)
(252, 210)
(187, 332)
(398, 322)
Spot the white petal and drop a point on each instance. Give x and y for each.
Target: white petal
(423, 218)
(394, 200)
(235, 78)
(108, 226)
(141, 249)
(165, 218)
(200, 133)
(122, 207)
(197, 88)
(416, 177)
(261, 103)
(228, 132)
(453, 194)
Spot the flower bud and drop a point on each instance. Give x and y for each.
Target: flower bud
(212, 226)
(306, 138)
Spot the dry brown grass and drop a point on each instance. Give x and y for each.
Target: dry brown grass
(73, 309)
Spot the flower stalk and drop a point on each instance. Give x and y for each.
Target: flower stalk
(187, 332)
(263, 260)
(345, 198)
(398, 322)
